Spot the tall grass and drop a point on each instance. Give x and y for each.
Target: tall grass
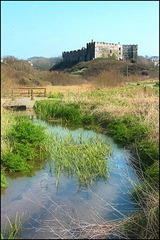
(13, 230)
(66, 111)
(144, 224)
(108, 79)
(87, 160)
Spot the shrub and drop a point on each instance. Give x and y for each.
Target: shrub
(145, 72)
(133, 60)
(3, 180)
(148, 151)
(127, 130)
(153, 173)
(27, 142)
(14, 163)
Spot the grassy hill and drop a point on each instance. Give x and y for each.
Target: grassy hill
(43, 63)
(15, 72)
(97, 66)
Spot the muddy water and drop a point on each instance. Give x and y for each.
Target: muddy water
(48, 213)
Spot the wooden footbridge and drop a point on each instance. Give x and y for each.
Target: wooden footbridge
(23, 98)
(28, 92)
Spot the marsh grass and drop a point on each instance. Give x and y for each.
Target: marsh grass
(85, 159)
(66, 111)
(143, 224)
(11, 231)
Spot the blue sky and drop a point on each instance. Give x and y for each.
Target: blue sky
(47, 28)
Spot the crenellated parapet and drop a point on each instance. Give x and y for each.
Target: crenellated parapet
(101, 50)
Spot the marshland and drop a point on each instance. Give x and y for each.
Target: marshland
(87, 164)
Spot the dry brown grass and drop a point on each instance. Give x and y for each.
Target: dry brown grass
(107, 79)
(67, 89)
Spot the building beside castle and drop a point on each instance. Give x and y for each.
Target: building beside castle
(101, 50)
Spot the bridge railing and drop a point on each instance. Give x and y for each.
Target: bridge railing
(29, 92)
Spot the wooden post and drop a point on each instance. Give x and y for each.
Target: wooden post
(144, 90)
(45, 92)
(28, 93)
(12, 94)
(31, 94)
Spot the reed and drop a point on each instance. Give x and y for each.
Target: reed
(87, 160)
(13, 230)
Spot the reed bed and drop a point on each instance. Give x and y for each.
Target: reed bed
(85, 159)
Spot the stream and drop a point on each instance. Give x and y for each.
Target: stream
(48, 213)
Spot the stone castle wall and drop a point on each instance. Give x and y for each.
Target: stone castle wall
(130, 51)
(101, 50)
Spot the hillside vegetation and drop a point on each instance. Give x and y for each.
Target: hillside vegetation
(141, 67)
(99, 72)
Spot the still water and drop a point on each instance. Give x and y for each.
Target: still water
(49, 213)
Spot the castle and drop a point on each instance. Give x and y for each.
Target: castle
(101, 50)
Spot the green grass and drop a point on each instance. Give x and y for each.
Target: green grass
(55, 95)
(87, 160)
(70, 112)
(127, 130)
(26, 143)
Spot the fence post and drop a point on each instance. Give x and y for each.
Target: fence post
(45, 92)
(144, 90)
(31, 94)
(12, 94)
(28, 93)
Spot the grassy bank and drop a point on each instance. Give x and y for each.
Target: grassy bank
(22, 143)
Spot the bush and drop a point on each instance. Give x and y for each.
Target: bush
(3, 180)
(145, 72)
(148, 151)
(133, 60)
(15, 163)
(27, 142)
(153, 173)
(127, 130)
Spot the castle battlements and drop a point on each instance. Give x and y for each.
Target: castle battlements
(101, 50)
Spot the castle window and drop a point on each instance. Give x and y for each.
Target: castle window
(119, 48)
(110, 51)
